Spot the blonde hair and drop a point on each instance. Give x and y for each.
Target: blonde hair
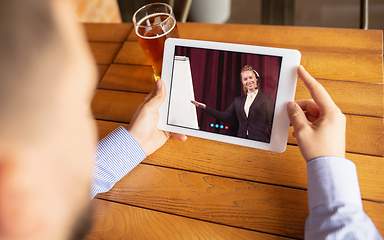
(257, 76)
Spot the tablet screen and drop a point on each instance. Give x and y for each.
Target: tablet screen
(231, 93)
(215, 79)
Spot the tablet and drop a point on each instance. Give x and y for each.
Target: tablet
(231, 93)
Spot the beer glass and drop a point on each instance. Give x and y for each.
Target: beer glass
(154, 23)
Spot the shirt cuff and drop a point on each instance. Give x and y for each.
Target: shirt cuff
(116, 155)
(332, 179)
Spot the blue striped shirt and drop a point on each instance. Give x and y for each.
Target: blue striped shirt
(335, 206)
(116, 155)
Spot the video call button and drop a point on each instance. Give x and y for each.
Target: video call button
(219, 126)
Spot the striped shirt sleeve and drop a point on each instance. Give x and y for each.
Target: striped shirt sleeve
(116, 155)
(335, 206)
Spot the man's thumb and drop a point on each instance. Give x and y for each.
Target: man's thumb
(296, 116)
(157, 95)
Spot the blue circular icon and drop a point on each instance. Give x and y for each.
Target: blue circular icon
(217, 125)
(221, 126)
(212, 125)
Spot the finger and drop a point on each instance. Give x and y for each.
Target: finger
(310, 117)
(196, 103)
(309, 105)
(150, 95)
(145, 101)
(157, 96)
(180, 137)
(318, 92)
(296, 116)
(167, 134)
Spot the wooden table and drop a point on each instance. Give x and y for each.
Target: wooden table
(203, 189)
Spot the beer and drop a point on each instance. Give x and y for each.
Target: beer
(152, 31)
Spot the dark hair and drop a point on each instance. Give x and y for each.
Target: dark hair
(249, 68)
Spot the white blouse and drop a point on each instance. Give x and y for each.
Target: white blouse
(249, 101)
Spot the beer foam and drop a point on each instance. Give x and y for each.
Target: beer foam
(156, 23)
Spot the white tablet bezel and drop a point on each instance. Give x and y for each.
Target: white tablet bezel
(286, 91)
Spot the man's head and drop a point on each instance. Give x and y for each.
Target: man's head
(47, 134)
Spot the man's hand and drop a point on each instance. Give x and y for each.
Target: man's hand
(143, 126)
(318, 123)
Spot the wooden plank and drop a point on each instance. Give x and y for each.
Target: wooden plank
(237, 203)
(119, 221)
(104, 127)
(346, 67)
(115, 106)
(364, 134)
(362, 131)
(376, 212)
(323, 65)
(131, 53)
(287, 169)
(244, 204)
(104, 53)
(351, 97)
(301, 38)
(102, 69)
(107, 32)
(129, 78)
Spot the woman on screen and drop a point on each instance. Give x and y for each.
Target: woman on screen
(254, 111)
